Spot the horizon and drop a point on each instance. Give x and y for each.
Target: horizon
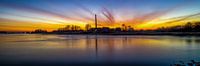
(28, 15)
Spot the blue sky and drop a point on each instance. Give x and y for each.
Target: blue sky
(95, 5)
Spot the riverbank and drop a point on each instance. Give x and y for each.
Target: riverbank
(116, 33)
(134, 33)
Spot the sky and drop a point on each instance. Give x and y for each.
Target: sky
(28, 15)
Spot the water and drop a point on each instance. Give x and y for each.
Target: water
(91, 49)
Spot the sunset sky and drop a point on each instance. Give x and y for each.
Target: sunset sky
(28, 15)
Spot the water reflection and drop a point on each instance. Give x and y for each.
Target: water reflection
(96, 46)
(164, 50)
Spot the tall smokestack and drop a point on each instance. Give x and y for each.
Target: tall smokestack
(95, 21)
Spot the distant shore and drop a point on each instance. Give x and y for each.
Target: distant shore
(138, 33)
(117, 33)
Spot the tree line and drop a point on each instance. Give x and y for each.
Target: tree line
(188, 27)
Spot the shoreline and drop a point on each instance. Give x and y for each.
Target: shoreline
(124, 33)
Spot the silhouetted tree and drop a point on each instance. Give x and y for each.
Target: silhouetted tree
(40, 31)
(67, 27)
(87, 27)
(130, 28)
(188, 27)
(197, 26)
(124, 27)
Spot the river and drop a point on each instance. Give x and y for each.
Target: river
(101, 49)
